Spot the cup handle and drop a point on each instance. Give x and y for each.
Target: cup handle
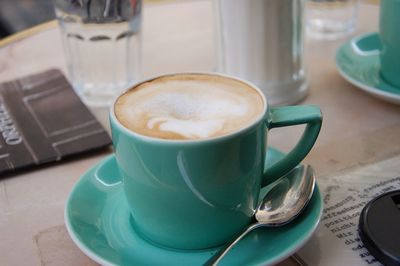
(289, 116)
(367, 45)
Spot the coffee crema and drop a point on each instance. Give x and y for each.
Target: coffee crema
(189, 106)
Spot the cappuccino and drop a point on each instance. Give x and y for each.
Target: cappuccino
(189, 106)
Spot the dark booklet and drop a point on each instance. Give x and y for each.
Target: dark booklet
(43, 120)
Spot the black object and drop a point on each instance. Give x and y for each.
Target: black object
(380, 227)
(42, 120)
(19, 15)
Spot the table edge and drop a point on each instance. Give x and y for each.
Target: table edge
(28, 32)
(15, 37)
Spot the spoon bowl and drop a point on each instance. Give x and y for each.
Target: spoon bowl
(287, 197)
(284, 200)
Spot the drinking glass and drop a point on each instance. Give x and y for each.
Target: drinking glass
(102, 41)
(331, 19)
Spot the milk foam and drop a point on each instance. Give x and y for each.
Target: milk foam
(181, 107)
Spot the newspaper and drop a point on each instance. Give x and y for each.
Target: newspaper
(337, 241)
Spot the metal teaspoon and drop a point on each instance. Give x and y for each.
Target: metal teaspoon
(287, 198)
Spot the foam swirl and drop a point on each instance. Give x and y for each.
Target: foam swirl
(188, 107)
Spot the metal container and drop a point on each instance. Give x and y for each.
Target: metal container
(262, 41)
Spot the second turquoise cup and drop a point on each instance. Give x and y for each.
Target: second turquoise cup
(389, 30)
(387, 46)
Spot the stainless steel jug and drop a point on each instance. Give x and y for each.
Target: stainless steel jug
(262, 41)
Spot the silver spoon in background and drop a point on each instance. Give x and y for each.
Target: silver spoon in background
(287, 198)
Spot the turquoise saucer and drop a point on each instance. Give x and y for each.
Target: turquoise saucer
(358, 62)
(98, 221)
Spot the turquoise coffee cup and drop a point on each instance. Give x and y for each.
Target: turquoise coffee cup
(389, 28)
(195, 194)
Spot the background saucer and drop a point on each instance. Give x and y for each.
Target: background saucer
(363, 69)
(98, 221)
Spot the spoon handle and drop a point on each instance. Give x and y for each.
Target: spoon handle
(217, 257)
